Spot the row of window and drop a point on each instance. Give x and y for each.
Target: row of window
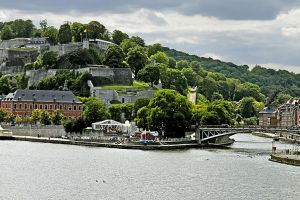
(46, 107)
(65, 117)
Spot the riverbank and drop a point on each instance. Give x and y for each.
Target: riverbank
(109, 145)
(286, 159)
(265, 135)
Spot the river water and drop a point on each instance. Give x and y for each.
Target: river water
(51, 171)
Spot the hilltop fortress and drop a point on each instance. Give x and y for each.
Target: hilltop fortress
(15, 53)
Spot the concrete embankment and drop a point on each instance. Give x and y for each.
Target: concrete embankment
(286, 159)
(263, 134)
(108, 145)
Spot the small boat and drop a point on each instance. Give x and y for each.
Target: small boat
(5, 134)
(148, 137)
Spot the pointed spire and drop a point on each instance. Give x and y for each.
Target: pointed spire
(65, 86)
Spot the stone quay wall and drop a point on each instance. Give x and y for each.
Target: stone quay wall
(35, 131)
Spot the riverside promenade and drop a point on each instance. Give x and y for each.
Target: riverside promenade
(286, 159)
(192, 144)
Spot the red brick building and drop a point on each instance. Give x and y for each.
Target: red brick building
(23, 102)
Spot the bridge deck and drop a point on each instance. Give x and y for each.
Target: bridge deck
(208, 133)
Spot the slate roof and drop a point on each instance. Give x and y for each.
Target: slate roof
(268, 110)
(42, 96)
(2, 97)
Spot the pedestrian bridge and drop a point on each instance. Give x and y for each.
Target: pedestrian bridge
(210, 134)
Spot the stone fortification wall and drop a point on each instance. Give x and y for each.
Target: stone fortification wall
(3, 55)
(124, 96)
(4, 69)
(122, 76)
(43, 131)
(62, 49)
(131, 97)
(36, 76)
(14, 43)
(105, 95)
(19, 57)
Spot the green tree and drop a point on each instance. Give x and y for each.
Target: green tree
(94, 111)
(141, 119)
(138, 40)
(22, 81)
(95, 30)
(44, 25)
(51, 34)
(45, 118)
(118, 37)
(224, 111)
(64, 34)
(127, 44)
(22, 28)
(210, 118)
(172, 62)
(182, 64)
(281, 98)
(49, 59)
(5, 85)
(153, 49)
(68, 125)
(137, 59)
(115, 111)
(77, 30)
(170, 112)
(10, 118)
(149, 74)
(251, 121)
(247, 107)
(198, 111)
(79, 125)
(3, 115)
(56, 117)
(216, 96)
(127, 109)
(174, 79)
(238, 119)
(139, 103)
(191, 77)
(6, 32)
(114, 57)
(200, 98)
(198, 68)
(160, 57)
(36, 115)
(248, 90)
(207, 87)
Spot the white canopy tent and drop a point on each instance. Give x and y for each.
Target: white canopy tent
(109, 125)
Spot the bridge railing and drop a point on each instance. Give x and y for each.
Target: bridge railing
(249, 127)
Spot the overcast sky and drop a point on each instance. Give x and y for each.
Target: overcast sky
(265, 32)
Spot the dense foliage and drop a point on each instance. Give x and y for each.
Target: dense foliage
(226, 93)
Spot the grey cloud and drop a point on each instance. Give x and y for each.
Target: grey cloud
(227, 9)
(239, 9)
